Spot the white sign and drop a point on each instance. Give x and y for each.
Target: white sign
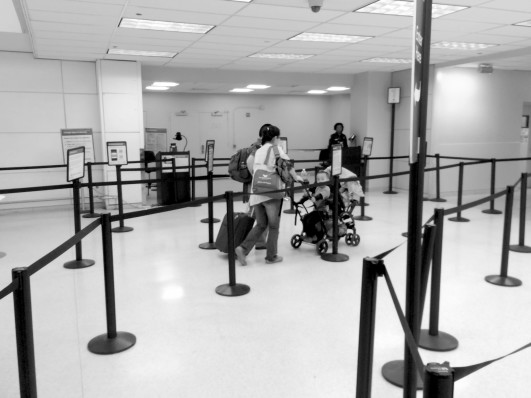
(116, 153)
(74, 138)
(75, 163)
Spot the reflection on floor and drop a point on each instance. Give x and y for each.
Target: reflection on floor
(294, 335)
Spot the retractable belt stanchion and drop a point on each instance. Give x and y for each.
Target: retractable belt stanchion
(91, 213)
(521, 247)
(291, 209)
(210, 188)
(24, 333)
(362, 216)
(372, 269)
(492, 210)
(390, 188)
(364, 170)
(335, 256)
(210, 244)
(458, 218)
(503, 279)
(433, 339)
(438, 180)
(438, 381)
(112, 342)
(120, 228)
(193, 185)
(79, 262)
(232, 288)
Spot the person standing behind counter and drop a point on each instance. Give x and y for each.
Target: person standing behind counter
(338, 137)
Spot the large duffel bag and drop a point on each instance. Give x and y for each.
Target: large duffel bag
(242, 226)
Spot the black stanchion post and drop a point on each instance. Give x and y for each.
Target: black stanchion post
(362, 216)
(503, 279)
(335, 256)
(210, 245)
(491, 210)
(91, 213)
(232, 288)
(112, 342)
(521, 247)
(193, 178)
(291, 209)
(210, 188)
(121, 228)
(391, 152)
(372, 269)
(438, 381)
(438, 179)
(24, 333)
(364, 185)
(79, 262)
(433, 339)
(458, 218)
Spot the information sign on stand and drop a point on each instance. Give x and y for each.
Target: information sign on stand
(209, 155)
(74, 138)
(117, 153)
(337, 161)
(367, 146)
(75, 163)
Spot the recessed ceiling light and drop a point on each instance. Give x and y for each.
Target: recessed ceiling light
(329, 38)
(461, 45)
(281, 56)
(157, 88)
(337, 88)
(164, 25)
(241, 90)
(165, 84)
(120, 51)
(258, 86)
(388, 60)
(406, 8)
(316, 91)
(524, 23)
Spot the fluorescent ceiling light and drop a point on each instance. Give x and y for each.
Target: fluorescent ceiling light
(407, 8)
(164, 25)
(165, 84)
(388, 60)
(157, 88)
(120, 51)
(316, 91)
(329, 38)
(525, 23)
(257, 86)
(337, 88)
(281, 56)
(461, 45)
(241, 90)
(243, 1)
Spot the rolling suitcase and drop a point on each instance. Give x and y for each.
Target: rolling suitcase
(242, 225)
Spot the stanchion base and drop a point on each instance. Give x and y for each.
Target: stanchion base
(362, 218)
(390, 192)
(459, 219)
(91, 215)
(440, 342)
(438, 200)
(404, 234)
(2, 254)
(75, 264)
(507, 281)
(289, 211)
(393, 372)
(492, 211)
(102, 345)
(207, 220)
(520, 248)
(122, 229)
(207, 245)
(334, 257)
(235, 290)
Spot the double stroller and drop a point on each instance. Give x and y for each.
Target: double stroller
(317, 223)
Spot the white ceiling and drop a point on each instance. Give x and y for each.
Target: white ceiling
(217, 61)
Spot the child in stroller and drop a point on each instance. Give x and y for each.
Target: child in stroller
(318, 224)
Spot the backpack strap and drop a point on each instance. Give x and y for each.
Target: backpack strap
(266, 161)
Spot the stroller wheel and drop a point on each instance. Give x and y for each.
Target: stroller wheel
(352, 239)
(296, 241)
(356, 240)
(321, 246)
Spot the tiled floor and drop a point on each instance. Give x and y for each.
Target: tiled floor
(294, 335)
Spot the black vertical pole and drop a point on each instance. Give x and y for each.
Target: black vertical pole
(24, 333)
(210, 189)
(427, 255)
(438, 179)
(91, 213)
(503, 279)
(438, 381)
(291, 209)
(372, 268)
(193, 178)
(491, 210)
(335, 256)
(210, 245)
(112, 342)
(391, 152)
(521, 247)
(120, 228)
(433, 339)
(232, 288)
(458, 218)
(174, 178)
